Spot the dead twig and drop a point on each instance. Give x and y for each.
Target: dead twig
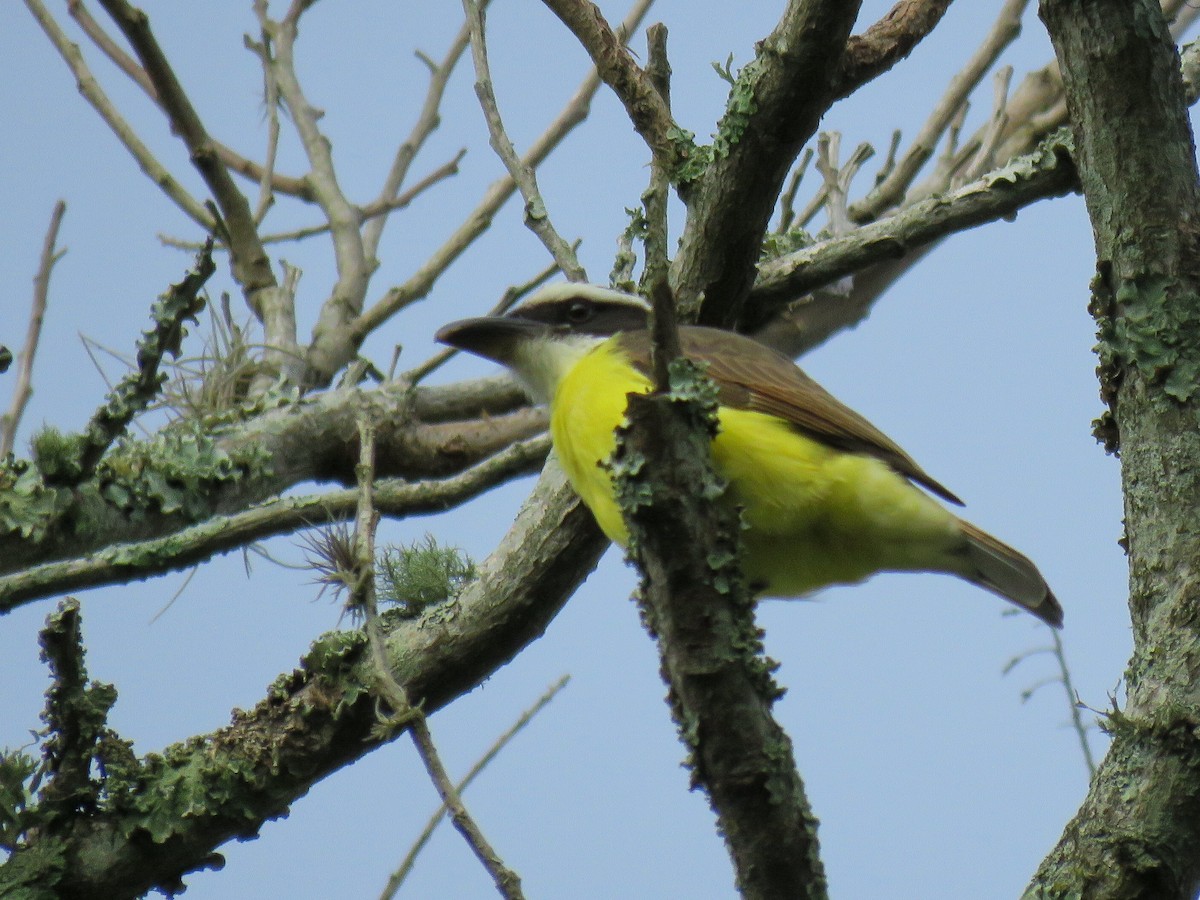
(403, 714)
(891, 191)
(419, 284)
(396, 879)
(23, 389)
(537, 217)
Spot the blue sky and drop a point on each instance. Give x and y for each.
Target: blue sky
(930, 775)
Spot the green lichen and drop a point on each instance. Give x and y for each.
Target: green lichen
(175, 471)
(17, 769)
(780, 243)
(1154, 331)
(740, 108)
(28, 506)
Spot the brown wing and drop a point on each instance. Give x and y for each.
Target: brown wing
(752, 376)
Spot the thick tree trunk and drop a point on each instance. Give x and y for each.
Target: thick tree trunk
(1138, 832)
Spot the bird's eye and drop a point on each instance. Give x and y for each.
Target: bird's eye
(579, 312)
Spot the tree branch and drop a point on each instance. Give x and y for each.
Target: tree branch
(251, 267)
(23, 389)
(891, 190)
(650, 115)
(137, 390)
(332, 344)
(121, 562)
(886, 42)
(319, 718)
(697, 606)
(284, 184)
(91, 91)
(188, 474)
(773, 109)
(422, 281)
(1047, 172)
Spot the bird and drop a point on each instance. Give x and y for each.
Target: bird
(826, 498)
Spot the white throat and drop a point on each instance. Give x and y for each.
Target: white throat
(542, 363)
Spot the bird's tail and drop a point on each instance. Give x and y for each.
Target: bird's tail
(996, 566)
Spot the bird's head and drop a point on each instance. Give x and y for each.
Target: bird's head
(545, 336)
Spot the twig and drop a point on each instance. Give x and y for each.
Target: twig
(403, 713)
(138, 389)
(837, 180)
(284, 184)
(427, 121)
(985, 156)
(332, 345)
(646, 108)
(251, 267)
(219, 534)
(378, 208)
(23, 389)
(1073, 702)
(371, 211)
(886, 195)
(787, 200)
(773, 110)
(396, 879)
(262, 49)
(1047, 172)
(417, 287)
(537, 217)
(250, 264)
(92, 92)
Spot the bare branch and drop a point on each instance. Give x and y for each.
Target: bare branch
(332, 345)
(396, 879)
(374, 210)
(251, 267)
(1047, 172)
(655, 197)
(284, 184)
(427, 121)
(650, 115)
(23, 389)
(537, 217)
(887, 194)
(886, 42)
(838, 178)
(91, 91)
(419, 285)
(986, 154)
(403, 714)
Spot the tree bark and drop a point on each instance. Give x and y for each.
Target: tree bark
(1138, 831)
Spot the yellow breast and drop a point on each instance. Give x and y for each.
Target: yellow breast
(814, 515)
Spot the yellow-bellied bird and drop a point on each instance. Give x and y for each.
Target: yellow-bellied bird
(826, 497)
